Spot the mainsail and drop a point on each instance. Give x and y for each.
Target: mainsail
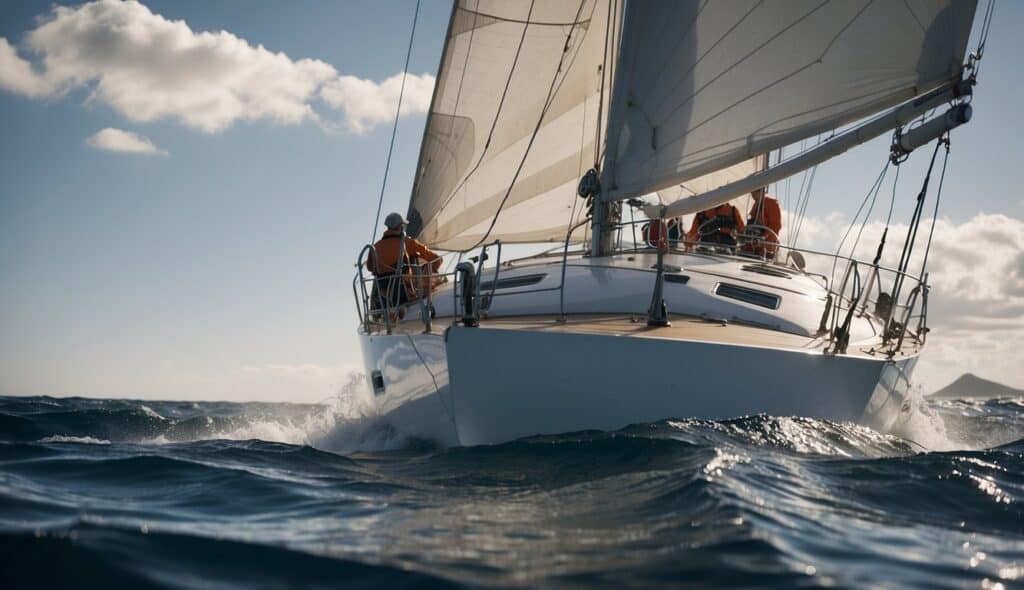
(702, 90)
(703, 86)
(514, 121)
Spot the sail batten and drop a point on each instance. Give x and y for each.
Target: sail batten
(745, 78)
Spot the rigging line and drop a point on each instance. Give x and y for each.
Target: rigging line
(614, 16)
(501, 105)
(536, 129)
(985, 26)
(888, 220)
(795, 216)
(935, 214)
(915, 222)
(394, 128)
(579, 164)
(867, 216)
(873, 195)
(807, 199)
(600, 96)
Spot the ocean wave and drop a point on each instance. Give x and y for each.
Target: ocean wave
(140, 558)
(260, 494)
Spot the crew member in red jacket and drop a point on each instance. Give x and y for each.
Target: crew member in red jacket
(720, 225)
(765, 212)
(415, 257)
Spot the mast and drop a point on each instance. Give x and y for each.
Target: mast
(606, 213)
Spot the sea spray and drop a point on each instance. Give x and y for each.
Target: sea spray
(920, 424)
(354, 423)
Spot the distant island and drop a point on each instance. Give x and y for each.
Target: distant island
(969, 386)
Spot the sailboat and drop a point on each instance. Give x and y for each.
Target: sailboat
(562, 122)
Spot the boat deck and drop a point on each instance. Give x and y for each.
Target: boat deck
(682, 328)
(689, 328)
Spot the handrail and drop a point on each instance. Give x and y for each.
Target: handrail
(565, 259)
(853, 295)
(780, 247)
(497, 274)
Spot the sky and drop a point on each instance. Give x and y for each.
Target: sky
(184, 188)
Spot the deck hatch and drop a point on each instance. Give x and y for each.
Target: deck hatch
(764, 269)
(748, 295)
(679, 279)
(513, 282)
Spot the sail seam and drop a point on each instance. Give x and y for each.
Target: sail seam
(698, 61)
(741, 60)
(763, 89)
(540, 120)
(494, 122)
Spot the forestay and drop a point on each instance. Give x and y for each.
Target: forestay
(703, 86)
(503, 71)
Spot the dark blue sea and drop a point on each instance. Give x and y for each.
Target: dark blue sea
(116, 493)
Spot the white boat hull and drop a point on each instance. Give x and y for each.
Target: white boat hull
(487, 386)
(523, 373)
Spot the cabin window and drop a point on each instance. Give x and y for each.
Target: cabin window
(748, 295)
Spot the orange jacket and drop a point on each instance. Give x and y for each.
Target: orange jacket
(768, 214)
(388, 249)
(723, 210)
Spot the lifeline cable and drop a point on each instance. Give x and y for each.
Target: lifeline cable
(935, 214)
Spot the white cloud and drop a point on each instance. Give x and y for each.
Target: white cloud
(147, 68)
(367, 103)
(16, 74)
(117, 140)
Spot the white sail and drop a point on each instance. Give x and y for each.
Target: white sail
(486, 108)
(702, 86)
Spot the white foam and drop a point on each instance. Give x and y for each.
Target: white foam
(347, 421)
(151, 412)
(922, 425)
(81, 440)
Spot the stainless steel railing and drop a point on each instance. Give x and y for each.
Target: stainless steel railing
(859, 292)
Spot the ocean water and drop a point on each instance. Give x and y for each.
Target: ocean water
(118, 493)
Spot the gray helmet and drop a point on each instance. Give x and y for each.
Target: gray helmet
(394, 221)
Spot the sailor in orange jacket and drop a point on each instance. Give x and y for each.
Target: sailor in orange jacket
(392, 246)
(725, 222)
(764, 212)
